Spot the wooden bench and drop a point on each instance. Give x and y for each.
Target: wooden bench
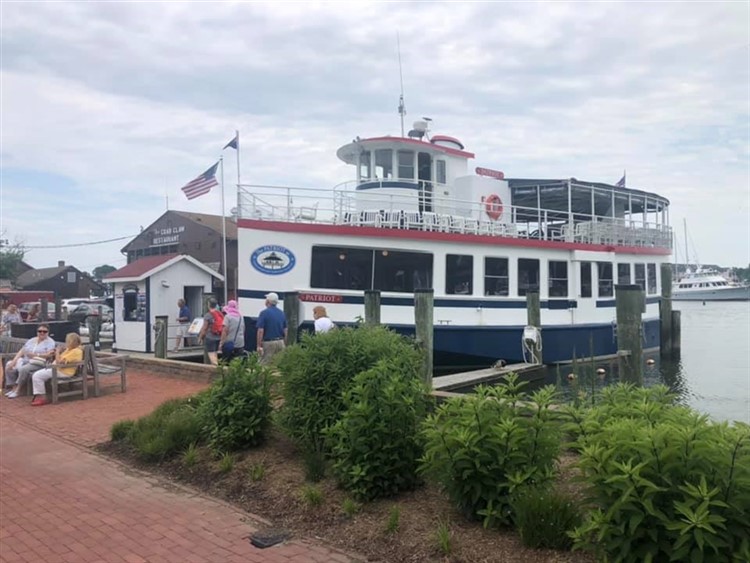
(96, 366)
(9, 347)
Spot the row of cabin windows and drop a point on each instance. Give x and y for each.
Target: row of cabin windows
(382, 159)
(399, 271)
(702, 284)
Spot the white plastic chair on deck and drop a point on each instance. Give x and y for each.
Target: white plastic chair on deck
(430, 221)
(369, 218)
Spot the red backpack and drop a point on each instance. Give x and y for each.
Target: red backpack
(218, 325)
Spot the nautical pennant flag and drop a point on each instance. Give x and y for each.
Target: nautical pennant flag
(621, 182)
(202, 184)
(234, 143)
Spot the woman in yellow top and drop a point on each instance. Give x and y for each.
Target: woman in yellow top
(71, 354)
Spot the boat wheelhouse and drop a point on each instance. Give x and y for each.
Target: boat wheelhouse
(416, 216)
(701, 284)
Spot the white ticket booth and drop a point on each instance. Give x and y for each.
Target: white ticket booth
(150, 287)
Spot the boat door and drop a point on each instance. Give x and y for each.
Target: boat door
(424, 175)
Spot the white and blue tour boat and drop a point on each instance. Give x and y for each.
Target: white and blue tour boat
(417, 216)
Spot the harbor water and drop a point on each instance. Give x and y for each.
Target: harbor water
(713, 372)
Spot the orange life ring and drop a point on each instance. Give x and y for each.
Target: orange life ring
(493, 205)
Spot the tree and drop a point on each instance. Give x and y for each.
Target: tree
(101, 271)
(11, 256)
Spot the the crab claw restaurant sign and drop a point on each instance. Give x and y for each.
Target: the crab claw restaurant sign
(169, 235)
(273, 259)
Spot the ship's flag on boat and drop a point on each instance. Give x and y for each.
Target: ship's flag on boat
(621, 182)
(234, 143)
(202, 184)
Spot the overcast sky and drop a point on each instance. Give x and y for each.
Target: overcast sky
(107, 108)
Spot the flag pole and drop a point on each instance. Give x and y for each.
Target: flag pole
(237, 204)
(237, 131)
(223, 231)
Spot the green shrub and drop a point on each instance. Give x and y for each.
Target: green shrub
(317, 373)
(226, 464)
(376, 445)
(667, 483)
(481, 448)
(312, 495)
(443, 537)
(544, 517)
(257, 471)
(120, 430)
(167, 431)
(351, 507)
(190, 456)
(237, 408)
(394, 520)
(315, 465)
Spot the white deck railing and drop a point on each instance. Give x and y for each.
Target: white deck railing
(344, 206)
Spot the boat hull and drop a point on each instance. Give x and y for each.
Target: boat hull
(723, 294)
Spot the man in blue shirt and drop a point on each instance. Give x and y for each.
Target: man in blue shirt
(271, 329)
(183, 323)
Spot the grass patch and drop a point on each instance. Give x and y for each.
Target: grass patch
(544, 518)
(226, 463)
(257, 471)
(394, 520)
(443, 537)
(312, 495)
(120, 430)
(190, 455)
(351, 507)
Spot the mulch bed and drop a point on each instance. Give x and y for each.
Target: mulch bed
(278, 497)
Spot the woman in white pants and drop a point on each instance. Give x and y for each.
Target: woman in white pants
(73, 353)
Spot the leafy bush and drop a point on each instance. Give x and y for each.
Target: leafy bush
(236, 409)
(167, 431)
(317, 373)
(481, 448)
(120, 430)
(375, 446)
(544, 518)
(667, 483)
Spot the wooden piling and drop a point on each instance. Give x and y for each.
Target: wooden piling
(372, 307)
(629, 300)
(665, 312)
(423, 321)
(291, 311)
(58, 309)
(676, 334)
(534, 318)
(160, 342)
(43, 311)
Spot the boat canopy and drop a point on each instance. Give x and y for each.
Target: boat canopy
(582, 197)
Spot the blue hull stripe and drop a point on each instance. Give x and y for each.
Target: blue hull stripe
(605, 303)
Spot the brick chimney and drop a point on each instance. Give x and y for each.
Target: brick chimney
(61, 263)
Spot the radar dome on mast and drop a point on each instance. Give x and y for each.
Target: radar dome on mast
(419, 129)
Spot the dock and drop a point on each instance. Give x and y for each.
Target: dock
(471, 379)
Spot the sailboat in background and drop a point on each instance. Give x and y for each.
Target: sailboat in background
(706, 284)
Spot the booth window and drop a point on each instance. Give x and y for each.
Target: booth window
(384, 164)
(623, 274)
(606, 287)
(406, 165)
(496, 276)
(651, 278)
(640, 276)
(459, 274)
(586, 279)
(558, 278)
(528, 275)
(130, 304)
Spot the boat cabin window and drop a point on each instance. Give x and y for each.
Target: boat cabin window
(623, 274)
(604, 272)
(368, 268)
(364, 165)
(651, 278)
(586, 279)
(528, 275)
(496, 276)
(640, 276)
(459, 274)
(384, 164)
(440, 175)
(406, 165)
(558, 278)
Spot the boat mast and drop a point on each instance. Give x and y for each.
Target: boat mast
(687, 259)
(401, 105)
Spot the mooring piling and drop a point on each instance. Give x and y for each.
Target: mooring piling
(629, 301)
(665, 312)
(291, 311)
(372, 307)
(676, 334)
(423, 316)
(160, 342)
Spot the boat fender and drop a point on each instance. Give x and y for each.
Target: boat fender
(493, 205)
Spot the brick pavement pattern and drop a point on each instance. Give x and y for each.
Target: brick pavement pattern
(60, 502)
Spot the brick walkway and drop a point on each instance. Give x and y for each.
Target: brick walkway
(60, 502)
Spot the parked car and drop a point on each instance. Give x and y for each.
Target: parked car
(24, 308)
(68, 305)
(85, 310)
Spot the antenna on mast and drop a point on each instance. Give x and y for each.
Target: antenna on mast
(401, 104)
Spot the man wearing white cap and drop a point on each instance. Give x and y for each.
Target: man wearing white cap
(271, 329)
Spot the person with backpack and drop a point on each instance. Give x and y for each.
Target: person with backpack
(210, 335)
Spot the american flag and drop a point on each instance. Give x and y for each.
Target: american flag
(202, 184)
(621, 182)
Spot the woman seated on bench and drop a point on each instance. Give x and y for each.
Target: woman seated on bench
(71, 354)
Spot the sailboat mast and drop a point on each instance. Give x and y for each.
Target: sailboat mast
(687, 259)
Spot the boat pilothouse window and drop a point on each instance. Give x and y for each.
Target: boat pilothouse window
(558, 278)
(586, 285)
(651, 278)
(369, 268)
(623, 274)
(406, 165)
(384, 164)
(440, 175)
(640, 276)
(528, 275)
(604, 272)
(364, 165)
(496, 278)
(459, 274)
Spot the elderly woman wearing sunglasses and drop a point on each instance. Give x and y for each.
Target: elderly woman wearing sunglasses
(18, 370)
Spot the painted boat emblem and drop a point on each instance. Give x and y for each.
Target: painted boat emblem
(273, 260)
